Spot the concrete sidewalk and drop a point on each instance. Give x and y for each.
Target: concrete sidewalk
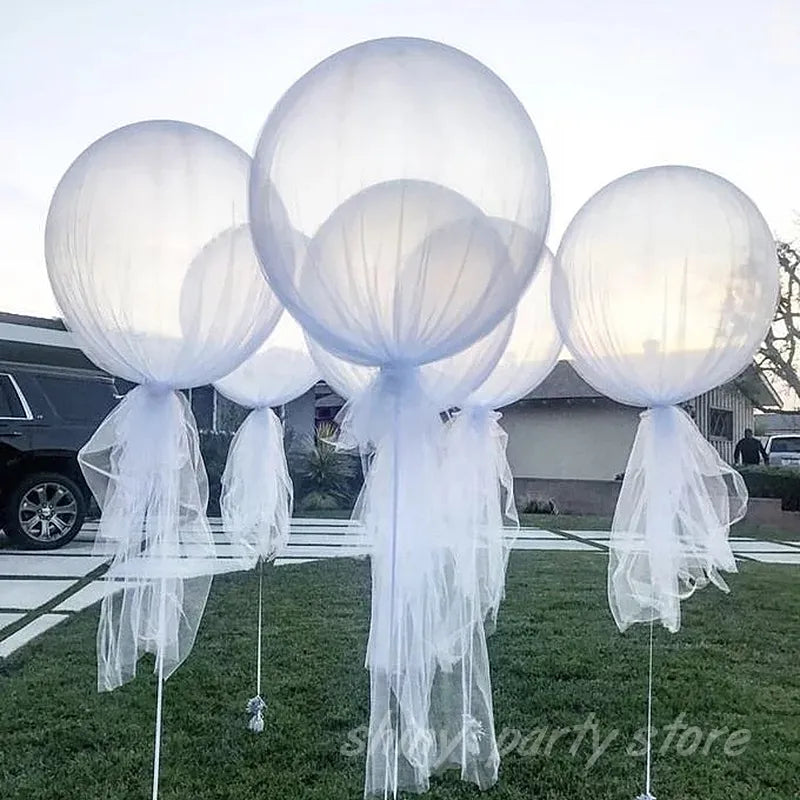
(39, 590)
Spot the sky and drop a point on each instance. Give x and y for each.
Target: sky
(611, 85)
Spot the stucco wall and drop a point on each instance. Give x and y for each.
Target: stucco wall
(584, 440)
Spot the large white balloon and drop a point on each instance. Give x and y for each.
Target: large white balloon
(150, 258)
(151, 261)
(665, 285)
(532, 349)
(388, 156)
(392, 157)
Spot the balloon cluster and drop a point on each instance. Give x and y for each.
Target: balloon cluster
(388, 235)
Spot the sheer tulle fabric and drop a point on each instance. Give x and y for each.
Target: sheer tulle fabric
(670, 531)
(429, 677)
(664, 287)
(257, 492)
(393, 154)
(143, 465)
(151, 260)
(392, 157)
(475, 447)
(437, 711)
(483, 516)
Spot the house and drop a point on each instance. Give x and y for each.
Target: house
(566, 429)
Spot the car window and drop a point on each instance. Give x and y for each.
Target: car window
(10, 405)
(786, 444)
(78, 399)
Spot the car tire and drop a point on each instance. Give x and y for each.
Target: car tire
(44, 511)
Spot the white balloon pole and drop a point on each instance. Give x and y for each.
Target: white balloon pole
(160, 691)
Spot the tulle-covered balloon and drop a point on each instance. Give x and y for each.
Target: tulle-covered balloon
(665, 285)
(151, 262)
(257, 493)
(392, 157)
(481, 479)
(450, 687)
(256, 498)
(479, 488)
(532, 349)
(390, 154)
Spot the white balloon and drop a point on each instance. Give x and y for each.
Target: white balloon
(665, 284)
(148, 258)
(532, 349)
(152, 263)
(280, 370)
(257, 493)
(390, 156)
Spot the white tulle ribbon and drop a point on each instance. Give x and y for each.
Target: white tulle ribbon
(480, 499)
(256, 504)
(393, 421)
(670, 530)
(143, 465)
(256, 499)
(482, 494)
(401, 508)
(437, 574)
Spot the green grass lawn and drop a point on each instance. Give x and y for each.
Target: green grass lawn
(575, 522)
(556, 658)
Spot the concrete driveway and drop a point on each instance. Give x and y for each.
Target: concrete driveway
(39, 590)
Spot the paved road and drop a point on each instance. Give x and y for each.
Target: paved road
(39, 590)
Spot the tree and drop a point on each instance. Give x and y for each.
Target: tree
(779, 355)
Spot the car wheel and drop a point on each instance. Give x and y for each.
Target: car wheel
(46, 510)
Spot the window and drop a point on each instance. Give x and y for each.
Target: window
(202, 400)
(785, 444)
(78, 399)
(229, 415)
(10, 403)
(720, 424)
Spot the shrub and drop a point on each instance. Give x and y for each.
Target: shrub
(538, 505)
(324, 479)
(782, 483)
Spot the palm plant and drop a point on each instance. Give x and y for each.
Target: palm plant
(325, 478)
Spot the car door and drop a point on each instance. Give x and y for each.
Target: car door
(16, 417)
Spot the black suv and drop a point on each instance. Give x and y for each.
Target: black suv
(46, 415)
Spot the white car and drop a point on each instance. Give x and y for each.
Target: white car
(783, 450)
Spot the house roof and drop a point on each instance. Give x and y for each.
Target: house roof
(756, 387)
(564, 383)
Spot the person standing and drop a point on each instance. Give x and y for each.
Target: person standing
(749, 450)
